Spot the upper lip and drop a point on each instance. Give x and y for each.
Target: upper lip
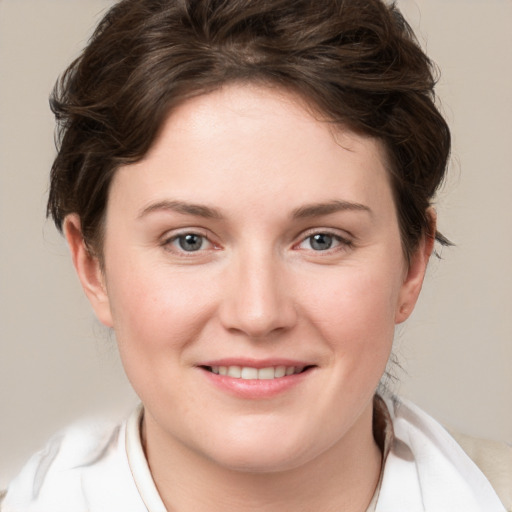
(256, 363)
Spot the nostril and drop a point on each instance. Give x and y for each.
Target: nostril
(259, 307)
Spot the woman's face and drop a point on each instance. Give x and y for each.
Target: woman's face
(253, 274)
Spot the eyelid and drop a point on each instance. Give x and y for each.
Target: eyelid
(171, 236)
(345, 238)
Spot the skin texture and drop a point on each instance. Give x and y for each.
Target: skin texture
(253, 162)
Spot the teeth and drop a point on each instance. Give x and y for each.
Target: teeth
(249, 373)
(266, 373)
(290, 370)
(234, 371)
(280, 371)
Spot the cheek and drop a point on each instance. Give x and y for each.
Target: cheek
(157, 314)
(355, 311)
(156, 307)
(355, 297)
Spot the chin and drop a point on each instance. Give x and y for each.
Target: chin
(260, 461)
(262, 453)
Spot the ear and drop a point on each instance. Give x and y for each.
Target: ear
(88, 268)
(416, 270)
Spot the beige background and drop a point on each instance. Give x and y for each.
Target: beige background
(57, 363)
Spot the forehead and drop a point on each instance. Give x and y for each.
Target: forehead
(253, 143)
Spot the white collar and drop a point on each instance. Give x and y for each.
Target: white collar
(139, 465)
(425, 469)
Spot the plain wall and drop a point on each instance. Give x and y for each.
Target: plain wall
(57, 363)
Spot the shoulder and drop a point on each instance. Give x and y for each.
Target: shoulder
(494, 460)
(75, 469)
(439, 474)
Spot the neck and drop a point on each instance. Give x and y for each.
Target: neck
(344, 477)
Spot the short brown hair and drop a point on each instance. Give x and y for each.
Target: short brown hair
(356, 61)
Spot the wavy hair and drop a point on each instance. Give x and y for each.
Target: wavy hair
(356, 62)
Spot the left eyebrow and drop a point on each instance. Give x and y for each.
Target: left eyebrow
(319, 209)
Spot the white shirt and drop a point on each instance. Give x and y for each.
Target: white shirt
(98, 468)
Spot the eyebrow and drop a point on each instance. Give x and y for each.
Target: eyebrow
(303, 212)
(319, 209)
(198, 210)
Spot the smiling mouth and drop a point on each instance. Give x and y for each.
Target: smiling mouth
(250, 373)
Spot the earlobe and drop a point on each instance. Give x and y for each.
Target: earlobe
(416, 270)
(88, 269)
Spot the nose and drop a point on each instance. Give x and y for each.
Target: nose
(257, 301)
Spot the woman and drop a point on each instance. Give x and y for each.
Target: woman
(246, 191)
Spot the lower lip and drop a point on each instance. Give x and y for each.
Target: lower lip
(256, 389)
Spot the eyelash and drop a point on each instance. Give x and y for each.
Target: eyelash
(168, 243)
(342, 243)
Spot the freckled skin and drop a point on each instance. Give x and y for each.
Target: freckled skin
(258, 283)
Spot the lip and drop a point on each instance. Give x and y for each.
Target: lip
(256, 389)
(256, 363)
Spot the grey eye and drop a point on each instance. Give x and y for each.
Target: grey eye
(190, 242)
(321, 241)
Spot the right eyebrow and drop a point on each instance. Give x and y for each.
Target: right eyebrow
(183, 207)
